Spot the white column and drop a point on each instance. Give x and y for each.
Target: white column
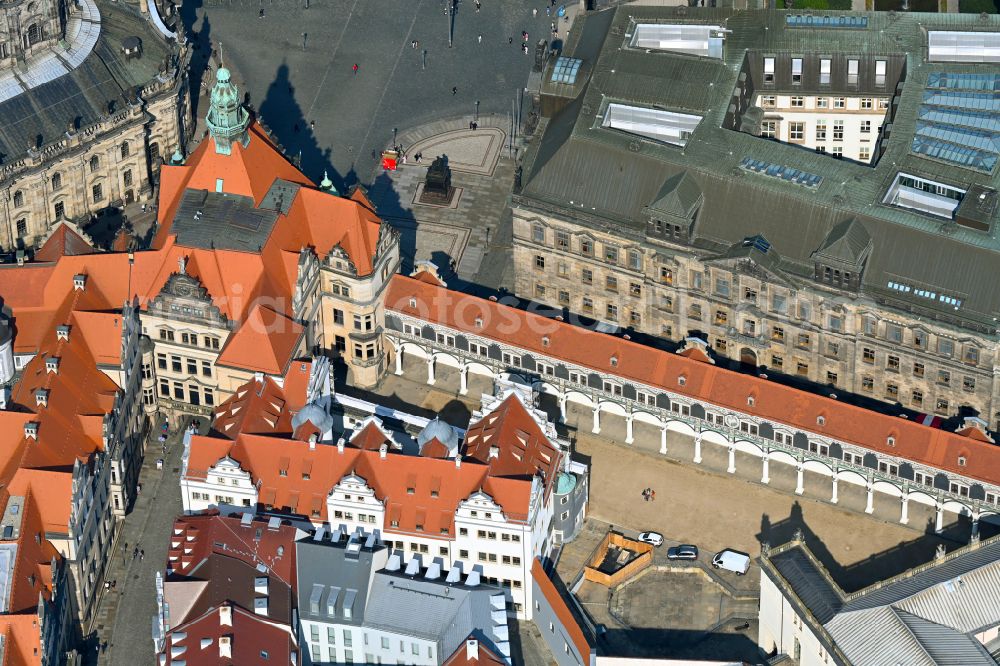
(904, 511)
(697, 449)
(732, 460)
(975, 524)
(800, 473)
(464, 378)
(939, 518)
(869, 505)
(833, 497)
(562, 407)
(629, 436)
(663, 439)
(765, 476)
(597, 419)
(399, 360)
(430, 370)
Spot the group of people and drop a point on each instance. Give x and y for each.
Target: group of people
(649, 494)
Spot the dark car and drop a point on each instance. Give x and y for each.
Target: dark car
(685, 552)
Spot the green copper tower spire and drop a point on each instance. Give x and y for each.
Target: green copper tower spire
(227, 120)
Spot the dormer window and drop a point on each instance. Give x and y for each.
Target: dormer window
(890, 440)
(961, 461)
(479, 322)
(682, 380)
(614, 361)
(751, 400)
(820, 420)
(413, 302)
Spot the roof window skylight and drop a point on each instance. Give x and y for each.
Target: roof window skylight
(699, 40)
(956, 46)
(781, 171)
(565, 70)
(656, 124)
(925, 196)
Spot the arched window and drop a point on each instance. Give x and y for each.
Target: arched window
(154, 154)
(18, 199)
(56, 181)
(34, 34)
(125, 149)
(95, 164)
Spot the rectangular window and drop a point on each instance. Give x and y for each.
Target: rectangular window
(892, 363)
(634, 260)
(538, 233)
(796, 131)
(958, 489)
(866, 126)
(852, 72)
(611, 283)
(923, 479)
(864, 154)
(797, 102)
(768, 70)
(586, 246)
(612, 312)
(768, 128)
(880, 73)
(768, 101)
(796, 70)
(838, 130)
(722, 287)
(539, 262)
(822, 102)
(821, 130)
(98, 193)
(587, 276)
(824, 71)
(60, 210)
(562, 240)
(611, 254)
(839, 102)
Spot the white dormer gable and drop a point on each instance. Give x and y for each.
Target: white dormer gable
(480, 506)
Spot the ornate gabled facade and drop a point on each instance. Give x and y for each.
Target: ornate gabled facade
(487, 504)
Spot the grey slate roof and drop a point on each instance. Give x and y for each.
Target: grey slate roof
(103, 82)
(432, 610)
(222, 221)
(847, 242)
(926, 617)
(679, 196)
(340, 576)
(577, 165)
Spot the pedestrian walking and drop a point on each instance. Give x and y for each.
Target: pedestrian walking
(312, 124)
(524, 49)
(510, 40)
(652, 495)
(413, 44)
(479, 5)
(480, 39)
(260, 14)
(548, 11)
(454, 90)
(142, 555)
(355, 68)
(524, 35)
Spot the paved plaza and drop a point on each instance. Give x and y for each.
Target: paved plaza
(296, 64)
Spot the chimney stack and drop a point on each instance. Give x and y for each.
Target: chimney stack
(79, 282)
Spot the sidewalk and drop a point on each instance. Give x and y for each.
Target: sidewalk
(124, 614)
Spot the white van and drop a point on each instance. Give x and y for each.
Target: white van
(732, 560)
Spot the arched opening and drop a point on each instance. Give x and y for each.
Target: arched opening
(129, 196)
(748, 357)
(34, 34)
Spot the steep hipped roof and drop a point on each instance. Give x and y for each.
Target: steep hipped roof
(249, 635)
(846, 242)
(421, 494)
(63, 240)
(679, 197)
(521, 448)
(698, 381)
(265, 342)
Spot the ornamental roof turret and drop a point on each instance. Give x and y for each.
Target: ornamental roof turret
(227, 120)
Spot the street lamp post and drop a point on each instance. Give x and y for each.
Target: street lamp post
(477, 110)
(394, 129)
(449, 13)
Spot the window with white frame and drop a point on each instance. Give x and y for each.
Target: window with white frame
(446, 339)
(477, 349)
(713, 417)
(957, 488)
(645, 397)
(854, 458)
(892, 469)
(923, 479)
(819, 448)
(783, 438)
(613, 388)
(749, 427)
(512, 359)
(411, 329)
(992, 498)
(680, 408)
(545, 369)
(578, 378)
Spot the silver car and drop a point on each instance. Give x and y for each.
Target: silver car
(684, 552)
(654, 538)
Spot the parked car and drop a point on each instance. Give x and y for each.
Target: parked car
(732, 560)
(654, 538)
(684, 552)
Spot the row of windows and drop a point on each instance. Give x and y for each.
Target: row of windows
(799, 102)
(180, 364)
(611, 254)
(209, 341)
(193, 395)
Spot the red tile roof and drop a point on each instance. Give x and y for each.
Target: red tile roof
(248, 634)
(63, 241)
(484, 656)
(32, 575)
(21, 639)
(369, 438)
(266, 341)
(522, 449)
(417, 491)
(782, 405)
(558, 605)
(199, 536)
